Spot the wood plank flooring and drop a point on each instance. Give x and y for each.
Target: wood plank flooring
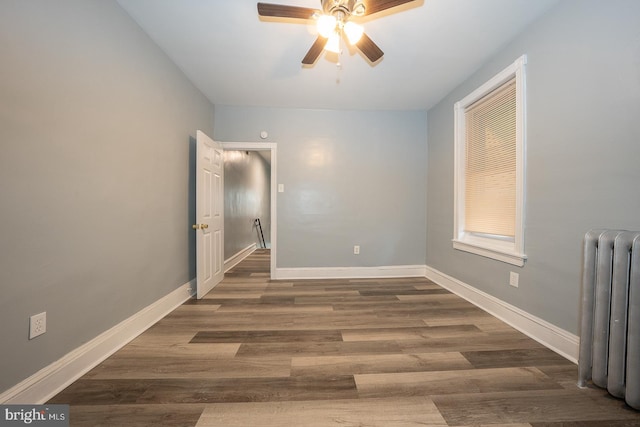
(387, 352)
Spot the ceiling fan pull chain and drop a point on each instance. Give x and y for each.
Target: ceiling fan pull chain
(339, 64)
(339, 67)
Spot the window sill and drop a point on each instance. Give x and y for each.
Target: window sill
(490, 251)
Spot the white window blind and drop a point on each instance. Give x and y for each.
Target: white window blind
(490, 170)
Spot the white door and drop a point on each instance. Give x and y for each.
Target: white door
(209, 214)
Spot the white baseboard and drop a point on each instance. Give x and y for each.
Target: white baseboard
(562, 342)
(237, 258)
(350, 272)
(52, 379)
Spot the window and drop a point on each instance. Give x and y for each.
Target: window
(489, 168)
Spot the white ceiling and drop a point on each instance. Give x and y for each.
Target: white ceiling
(235, 58)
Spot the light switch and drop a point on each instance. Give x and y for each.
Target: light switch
(280, 188)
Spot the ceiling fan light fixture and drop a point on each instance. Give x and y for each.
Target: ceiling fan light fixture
(333, 22)
(326, 25)
(333, 44)
(353, 31)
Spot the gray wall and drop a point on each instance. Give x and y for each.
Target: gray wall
(247, 196)
(583, 146)
(96, 128)
(350, 177)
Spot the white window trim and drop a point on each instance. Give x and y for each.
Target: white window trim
(505, 251)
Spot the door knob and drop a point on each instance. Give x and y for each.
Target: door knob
(199, 226)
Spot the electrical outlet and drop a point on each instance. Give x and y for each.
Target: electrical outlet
(513, 279)
(356, 250)
(37, 325)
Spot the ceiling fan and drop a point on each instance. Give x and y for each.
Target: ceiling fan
(333, 22)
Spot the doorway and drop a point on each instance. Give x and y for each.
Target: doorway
(269, 150)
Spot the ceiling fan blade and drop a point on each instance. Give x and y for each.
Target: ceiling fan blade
(283, 11)
(315, 51)
(375, 6)
(369, 48)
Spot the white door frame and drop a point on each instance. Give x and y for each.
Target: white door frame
(264, 146)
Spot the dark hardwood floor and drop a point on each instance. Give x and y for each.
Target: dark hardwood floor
(387, 352)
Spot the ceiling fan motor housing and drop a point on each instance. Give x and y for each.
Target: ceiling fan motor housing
(347, 7)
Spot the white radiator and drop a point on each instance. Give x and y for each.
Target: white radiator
(610, 328)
